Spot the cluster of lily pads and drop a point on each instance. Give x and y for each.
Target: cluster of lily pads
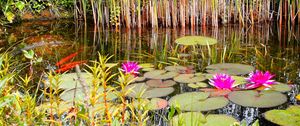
(257, 90)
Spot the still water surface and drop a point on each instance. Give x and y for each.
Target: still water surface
(267, 47)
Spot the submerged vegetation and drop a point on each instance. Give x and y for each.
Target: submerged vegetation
(159, 13)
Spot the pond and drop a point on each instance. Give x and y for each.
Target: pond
(266, 47)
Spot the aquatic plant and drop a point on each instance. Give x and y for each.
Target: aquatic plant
(288, 117)
(260, 99)
(198, 101)
(222, 81)
(258, 78)
(130, 67)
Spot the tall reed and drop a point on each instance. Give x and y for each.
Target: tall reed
(183, 13)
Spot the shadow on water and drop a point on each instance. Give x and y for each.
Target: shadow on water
(267, 47)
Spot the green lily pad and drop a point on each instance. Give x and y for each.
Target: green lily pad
(136, 79)
(153, 104)
(198, 119)
(230, 68)
(220, 120)
(198, 85)
(288, 117)
(188, 119)
(68, 95)
(69, 80)
(260, 99)
(197, 101)
(196, 40)
(160, 74)
(216, 92)
(189, 78)
(146, 65)
(281, 87)
(148, 69)
(160, 83)
(177, 69)
(144, 91)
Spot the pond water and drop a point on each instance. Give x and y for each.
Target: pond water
(266, 47)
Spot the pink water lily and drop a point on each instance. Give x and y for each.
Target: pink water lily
(130, 67)
(222, 81)
(258, 78)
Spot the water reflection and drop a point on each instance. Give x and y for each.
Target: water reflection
(267, 47)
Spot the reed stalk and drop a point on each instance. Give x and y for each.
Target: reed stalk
(192, 13)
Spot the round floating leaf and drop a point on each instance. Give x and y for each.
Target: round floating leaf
(68, 95)
(153, 104)
(197, 101)
(148, 69)
(160, 83)
(196, 40)
(188, 119)
(146, 65)
(189, 78)
(144, 91)
(198, 85)
(229, 68)
(239, 80)
(281, 87)
(179, 69)
(289, 117)
(260, 99)
(69, 80)
(136, 79)
(160, 74)
(216, 92)
(198, 119)
(220, 120)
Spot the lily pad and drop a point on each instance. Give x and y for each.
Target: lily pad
(152, 104)
(148, 69)
(220, 120)
(69, 80)
(136, 79)
(288, 117)
(281, 87)
(230, 68)
(188, 119)
(198, 119)
(178, 69)
(260, 99)
(160, 74)
(197, 101)
(198, 85)
(144, 91)
(216, 92)
(189, 78)
(68, 95)
(196, 40)
(160, 83)
(146, 65)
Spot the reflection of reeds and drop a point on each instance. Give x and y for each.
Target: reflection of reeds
(173, 13)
